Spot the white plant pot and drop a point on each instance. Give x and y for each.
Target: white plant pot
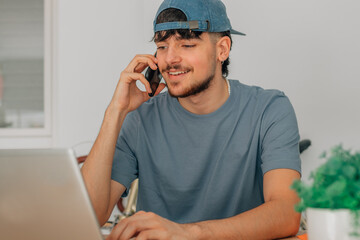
(327, 224)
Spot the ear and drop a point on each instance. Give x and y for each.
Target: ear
(223, 47)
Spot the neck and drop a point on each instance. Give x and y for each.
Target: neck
(208, 100)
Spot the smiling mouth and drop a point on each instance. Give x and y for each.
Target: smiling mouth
(177, 73)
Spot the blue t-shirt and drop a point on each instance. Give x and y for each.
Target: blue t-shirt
(199, 167)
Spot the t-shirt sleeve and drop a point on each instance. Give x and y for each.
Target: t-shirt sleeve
(279, 135)
(125, 167)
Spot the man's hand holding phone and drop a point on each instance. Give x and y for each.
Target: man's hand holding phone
(104, 193)
(128, 96)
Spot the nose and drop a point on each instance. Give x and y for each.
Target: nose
(172, 56)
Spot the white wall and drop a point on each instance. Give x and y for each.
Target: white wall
(309, 49)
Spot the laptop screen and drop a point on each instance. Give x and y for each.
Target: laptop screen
(42, 196)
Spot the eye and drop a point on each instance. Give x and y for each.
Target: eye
(161, 47)
(189, 45)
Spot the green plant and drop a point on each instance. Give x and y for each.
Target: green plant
(336, 183)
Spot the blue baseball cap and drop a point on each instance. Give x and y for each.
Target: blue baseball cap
(202, 15)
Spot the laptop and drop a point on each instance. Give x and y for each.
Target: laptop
(43, 196)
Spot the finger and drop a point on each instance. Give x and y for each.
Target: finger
(146, 96)
(137, 60)
(140, 62)
(132, 77)
(118, 230)
(131, 230)
(122, 225)
(144, 81)
(151, 234)
(141, 67)
(160, 88)
(140, 213)
(133, 225)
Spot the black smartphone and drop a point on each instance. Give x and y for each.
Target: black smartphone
(154, 77)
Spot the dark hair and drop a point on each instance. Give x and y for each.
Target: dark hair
(174, 15)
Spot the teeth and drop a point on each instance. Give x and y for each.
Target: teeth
(176, 73)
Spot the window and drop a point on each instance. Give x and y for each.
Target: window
(25, 67)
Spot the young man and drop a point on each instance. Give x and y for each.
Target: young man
(215, 158)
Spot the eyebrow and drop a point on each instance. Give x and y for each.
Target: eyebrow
(177, 36)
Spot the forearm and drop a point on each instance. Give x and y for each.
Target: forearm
(272, 220)
(97, 167)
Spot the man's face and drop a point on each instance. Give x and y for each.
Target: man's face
(187, 65)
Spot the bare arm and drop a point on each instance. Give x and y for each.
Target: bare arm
(97, 168)
(274, 219)
(104, 193)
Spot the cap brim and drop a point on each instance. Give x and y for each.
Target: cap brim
(232, 31)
